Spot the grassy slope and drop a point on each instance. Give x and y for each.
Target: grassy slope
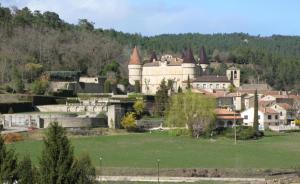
(142, 150)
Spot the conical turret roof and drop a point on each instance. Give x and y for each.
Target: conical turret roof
(188, 56)
(202, 56)
(135, 57)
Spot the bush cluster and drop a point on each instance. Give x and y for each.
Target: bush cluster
(243, 133)
(179, 132)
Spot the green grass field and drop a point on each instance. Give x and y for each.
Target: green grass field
(142, 150)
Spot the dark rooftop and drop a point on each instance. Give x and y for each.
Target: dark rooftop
(188, 56)
(202, 56)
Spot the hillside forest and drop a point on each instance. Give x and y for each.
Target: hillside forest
(32, 42)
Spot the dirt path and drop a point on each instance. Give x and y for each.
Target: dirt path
(177, 179)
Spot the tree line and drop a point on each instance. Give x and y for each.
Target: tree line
(44, 38)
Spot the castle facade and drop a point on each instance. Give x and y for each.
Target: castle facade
(178, 71)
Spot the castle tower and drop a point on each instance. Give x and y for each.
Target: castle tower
(188, 66)
(234, 75)
(203, 61)
(135, 67)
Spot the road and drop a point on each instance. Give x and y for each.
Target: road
(177, 179)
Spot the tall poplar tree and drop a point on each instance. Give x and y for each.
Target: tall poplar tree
(255, 120)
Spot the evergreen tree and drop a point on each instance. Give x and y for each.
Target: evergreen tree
(107, 86)
(161, 99)
(8, 164)
(84, 171)
(255, 121)
(137, 86)
(179, 90)
(26, 173)
(188, 83)
(56, 163)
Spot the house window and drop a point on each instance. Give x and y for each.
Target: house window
(258, 116)
(280, 113)
(204, 86)
(269, 117)
(217, 86)
(223, 85)
(276, 116)
(211, 86)
(245, 116)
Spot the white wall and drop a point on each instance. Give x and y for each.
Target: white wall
(263, 118)
(153, 75)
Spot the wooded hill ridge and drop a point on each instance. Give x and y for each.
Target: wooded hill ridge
(44, 39)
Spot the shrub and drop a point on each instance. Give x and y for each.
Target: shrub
(39, 87)
(179, 132)
(8, 88)
(139, 107)
(243, 133)
(129, 121)
(12, 137)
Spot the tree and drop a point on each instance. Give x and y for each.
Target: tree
(84, 171)
(56, 163)
(179, 90)
(129, 121)
(107, 86)
(139, 107)
(34, 69)
(26, 172)
(231, 88)
(86, 25)
(17, 81)
(188, 83)
(39, 87)
(8, 164)
(193, 110)
(255, 120)
(161, 99)
(137, 86)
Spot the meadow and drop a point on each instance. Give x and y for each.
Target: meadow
(275, 150)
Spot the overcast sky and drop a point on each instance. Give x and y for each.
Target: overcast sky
(152, 17)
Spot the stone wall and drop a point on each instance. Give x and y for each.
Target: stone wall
(75, 122)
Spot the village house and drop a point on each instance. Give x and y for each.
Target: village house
(227, 118)
(266, 117)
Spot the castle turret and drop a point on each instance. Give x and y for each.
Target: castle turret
(135, 67)
(203, 61)
(188, 65)
(234, 75)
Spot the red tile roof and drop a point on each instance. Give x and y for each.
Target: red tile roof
(135, 57)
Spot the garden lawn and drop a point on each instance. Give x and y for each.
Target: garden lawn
(141, 150)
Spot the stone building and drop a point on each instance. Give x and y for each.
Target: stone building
(178, 70)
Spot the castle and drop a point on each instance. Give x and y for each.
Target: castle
(179, 71)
